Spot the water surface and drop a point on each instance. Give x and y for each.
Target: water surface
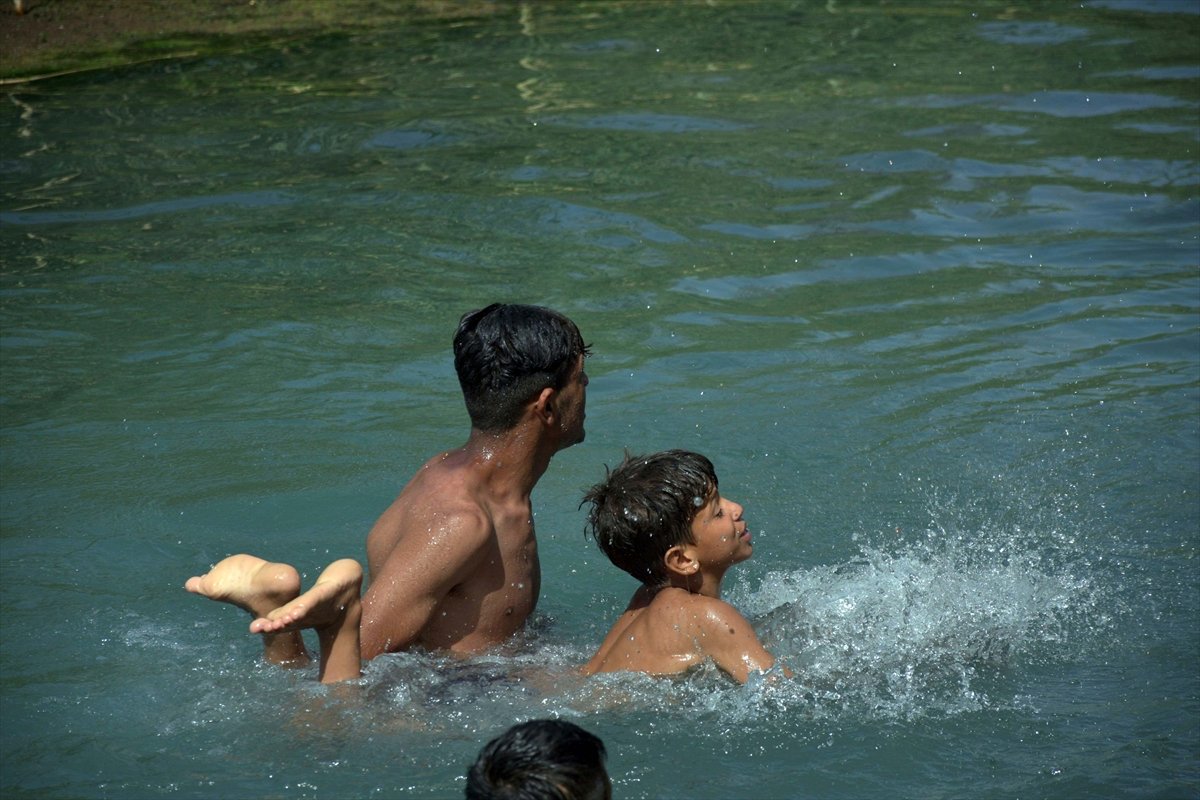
(923, 279)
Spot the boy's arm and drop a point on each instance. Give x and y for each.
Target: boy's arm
(728, 639)
(418, 574)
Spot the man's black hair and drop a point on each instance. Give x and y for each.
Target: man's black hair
(505, 354)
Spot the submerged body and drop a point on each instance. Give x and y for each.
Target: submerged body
(662, 519)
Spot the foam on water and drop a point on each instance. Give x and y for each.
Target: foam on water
(932, 624)
(939, 624)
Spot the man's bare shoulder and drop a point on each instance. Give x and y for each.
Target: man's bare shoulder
(439, 510)
(445, 474)
(453, 525)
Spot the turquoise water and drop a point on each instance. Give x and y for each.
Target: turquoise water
(923, 279)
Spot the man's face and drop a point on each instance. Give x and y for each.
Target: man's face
(572, 402)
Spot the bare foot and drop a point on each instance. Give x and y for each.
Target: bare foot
(325, 605)
(248, 582)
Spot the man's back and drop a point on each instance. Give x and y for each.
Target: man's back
(453, 561)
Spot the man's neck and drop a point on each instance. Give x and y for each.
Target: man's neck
(510, 463)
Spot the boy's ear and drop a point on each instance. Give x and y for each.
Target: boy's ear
(680, 561)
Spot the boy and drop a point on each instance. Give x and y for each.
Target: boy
(661, 519)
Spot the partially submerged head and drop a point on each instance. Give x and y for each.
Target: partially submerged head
(543, 759)
(506, 354)
(645, 507)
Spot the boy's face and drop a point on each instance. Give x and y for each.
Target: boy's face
(720, 533)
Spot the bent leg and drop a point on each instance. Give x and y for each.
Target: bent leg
(333, 608)
(257, 586)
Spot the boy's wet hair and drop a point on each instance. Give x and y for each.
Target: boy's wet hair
(543, 759)
(645, 507)
(505, 354)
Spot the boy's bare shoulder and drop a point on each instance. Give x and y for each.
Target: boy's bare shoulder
(697, 611)
(720, 632)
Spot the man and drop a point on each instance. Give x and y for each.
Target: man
(453, 561)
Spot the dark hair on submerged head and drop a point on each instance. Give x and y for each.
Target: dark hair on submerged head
(505, 354)
(645, 507)
(543, 759)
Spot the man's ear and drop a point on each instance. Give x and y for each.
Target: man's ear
(543, 405)
(680, 561)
